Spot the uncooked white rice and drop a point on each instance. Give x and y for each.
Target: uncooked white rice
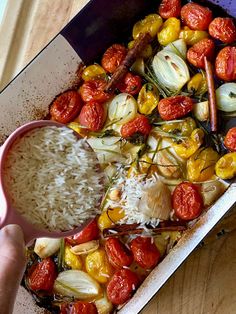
(52, 179)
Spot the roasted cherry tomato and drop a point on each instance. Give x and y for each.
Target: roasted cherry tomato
(93, 90)
(78, 307)
(191, 37)
(113, 57)
(145, 53)
(118, 254)
(148, 98)
(184, 128)
(89, 233)
(66, 106)
(196, 16)
(187, 201)
(230, 139)
(150, 24)
(71, 260)
(169, 31)
(92, 116)
(130, 84)
(203, 48)
(198, 84)
(226, 166)
(171, 108)
(93, 71)
(122, 286)
(43, 275)
(137, 125)
(170, 8)
(223, 28)
(226, 64)
(145, 252)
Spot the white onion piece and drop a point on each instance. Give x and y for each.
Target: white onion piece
(122, 109)
(177, 46)
(103, 305)
(76, 283)
(45, 247)
(226, 97)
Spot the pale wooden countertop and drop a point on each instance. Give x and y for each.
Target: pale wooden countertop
(205, 283)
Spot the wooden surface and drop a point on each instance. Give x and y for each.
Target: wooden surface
(205, 283)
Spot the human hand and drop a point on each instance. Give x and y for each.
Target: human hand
(12, 265)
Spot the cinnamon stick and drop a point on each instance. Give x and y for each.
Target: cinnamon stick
(212, 95)
(131, 56)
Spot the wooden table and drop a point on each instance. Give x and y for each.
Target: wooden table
(205, 283)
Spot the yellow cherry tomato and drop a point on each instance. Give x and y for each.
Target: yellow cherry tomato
(198, 135)
(201, 165)
(191, 37)
(169, 31)
(93, 71)
(71, 260)
(185, 127)
(142, 166)
(98, 267)
(198, 84)
(146, 52)
(104, 221)
(148, 98)
(150, 24)
(226, 166)
(116, 214)
(109, 217)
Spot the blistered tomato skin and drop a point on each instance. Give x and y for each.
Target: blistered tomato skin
(225, 64)
(170, 8)
(171, 108)
(122, 286)
(196, 16)
(131, 84)
(89, 233)
(66, 107)
(118, 254)
(78, 307)
(203, 48)
(137, 125)
(43, 275)
(223, 28)
(93, 90)
(145, 252)
(230, 140)
(113, 57)
(92, 116)
(187, 201)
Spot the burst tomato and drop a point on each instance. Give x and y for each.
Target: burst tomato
(203, 48)
(145, 252)
(93, 90)
(66, 106)
(89, 233)
(225, 64)
(170, 8)
(78, 307)
(113, 57)
(223, 28)
(118, 254)
(230, 139)
(196, 16)
(175, 107)
(43, 275)
(187, 201)
(139, 124)
(131, 84)
(122, 285)
(92, 116)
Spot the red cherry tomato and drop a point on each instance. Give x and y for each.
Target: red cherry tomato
(92, 116)
(113, 57)
(118, 254)
(230, 139)
(223, 28)
(171, 108)
(66, 106)
(89, 233)
(196, 16)
(78, 308)
(145, 252)
(93, 90)
(225, 64)
(170, 8)
(198, 51)
(122, 286)
(137, 125)
(43, 275)
(131, 84)
(187, 201)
